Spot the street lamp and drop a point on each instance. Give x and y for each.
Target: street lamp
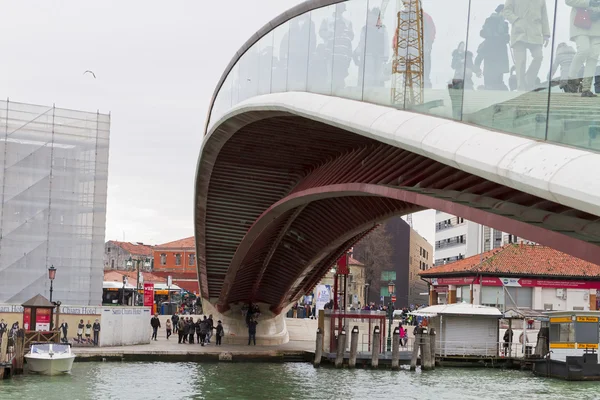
(123, 295)
(51, 276)
(391, 290)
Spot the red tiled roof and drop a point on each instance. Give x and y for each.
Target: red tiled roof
(117, 276)
(177, 275)
(519, 259)
(187, 243)
(138, 249)
(354, 261)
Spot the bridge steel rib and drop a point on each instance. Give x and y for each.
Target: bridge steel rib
(281, 194)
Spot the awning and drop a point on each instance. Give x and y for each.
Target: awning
(458, 309)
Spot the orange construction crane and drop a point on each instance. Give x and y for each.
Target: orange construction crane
(408, 59)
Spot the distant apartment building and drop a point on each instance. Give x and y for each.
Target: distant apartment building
(53, 182)
(126, 255)
(411, 255)
(178, 260)
(457, 238)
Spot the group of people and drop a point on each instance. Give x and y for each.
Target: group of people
(187, 329)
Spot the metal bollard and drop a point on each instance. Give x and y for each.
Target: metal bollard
(341, 349)
(375, 347)
(318, 348)
(396, 349)
(353, 347)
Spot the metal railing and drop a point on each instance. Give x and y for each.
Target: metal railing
(488, 349)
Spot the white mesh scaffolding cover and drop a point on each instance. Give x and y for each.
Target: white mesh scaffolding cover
(53, 181)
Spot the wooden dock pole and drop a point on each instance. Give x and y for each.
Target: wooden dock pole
(353, 347)
(19, 351)
(375, 348)
(341, 349)
(432, 337)
(415, 353)
(318, 348)
(425, 351)
(396, 349)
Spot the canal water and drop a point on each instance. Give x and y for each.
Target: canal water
(170, 381)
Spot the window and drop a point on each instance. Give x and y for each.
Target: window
(548, 307)
(108, 250)
(191, 259)
(112, 263)
(562, 332)
(163, 259)
(177, 259)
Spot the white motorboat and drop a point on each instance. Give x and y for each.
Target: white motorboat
(50, 358)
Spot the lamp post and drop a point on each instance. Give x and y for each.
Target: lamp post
(391, 290)
(123, 294)
(51, 276)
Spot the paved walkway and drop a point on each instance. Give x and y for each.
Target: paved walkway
(302, 339)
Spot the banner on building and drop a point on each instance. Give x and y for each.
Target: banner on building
(27, 318)
(517, 282)
(42, 319)
(342, 265)
(148, 294)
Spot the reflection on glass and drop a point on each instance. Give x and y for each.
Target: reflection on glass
(222, 101)
(343, 47)
(320, 61)
(235, 86)
(265, 63)
(574, 110)
(280, 58)
(375, 39)
(510, 38)
(446, 66)
(301, 43)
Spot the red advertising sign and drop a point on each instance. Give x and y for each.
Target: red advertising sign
(148, 294)
(342, 265)
(42, 319)
(517, 282)
(26, 318)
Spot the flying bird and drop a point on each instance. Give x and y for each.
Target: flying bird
(91, 72)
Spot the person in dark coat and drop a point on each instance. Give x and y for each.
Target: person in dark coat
(175, 320)
(96, 330)
(198, 327)
(493, 51)
(192, 330)
(3, 328)
(211, 326)
(462, 64)
(155, 324)
(204, 327)
(180, 327)
(252, 331)
(186, 329)
(220, 332)
(64, 328)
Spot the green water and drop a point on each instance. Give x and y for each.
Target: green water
(170, 381)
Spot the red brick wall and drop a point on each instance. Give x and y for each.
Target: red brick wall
(170, 264)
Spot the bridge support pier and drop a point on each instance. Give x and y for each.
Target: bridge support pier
(271, 329)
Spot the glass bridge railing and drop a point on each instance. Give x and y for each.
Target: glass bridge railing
(526, 67)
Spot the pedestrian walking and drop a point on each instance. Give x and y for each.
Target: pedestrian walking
(155, 324)
(220, 332)
(180, 328)
(96, 329)
(192, 330)
(175, 321)
(211, 326)
(199, 338)
(252, 331)
(169, 327)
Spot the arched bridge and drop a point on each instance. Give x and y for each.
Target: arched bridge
(299, 161)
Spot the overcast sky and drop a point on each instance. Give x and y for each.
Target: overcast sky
(157, 64)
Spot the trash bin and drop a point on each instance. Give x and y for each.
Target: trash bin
(301, 312)
(290, 314)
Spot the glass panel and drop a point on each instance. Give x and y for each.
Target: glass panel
(265, 62)
(222, 101)
(378, 36)
(301, 44)
(508, 87)
(280, 58)
(435, 85)
(248, 74)
(320, 61)
(348, 55)
(574, 113)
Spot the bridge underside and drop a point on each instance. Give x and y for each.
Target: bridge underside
(281, 197)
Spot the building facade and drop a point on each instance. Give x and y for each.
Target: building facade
(117, 255)
(518, 276)
(177, 259)
(355, 281)
(457, 238)
(53, 183)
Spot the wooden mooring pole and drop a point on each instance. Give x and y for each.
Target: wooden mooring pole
(341, 349)
(396, 349)
(375, 348)
(425, 350)
(353, 347)
(415, 353)
(432, 337)
(318, 348)
(19, 351)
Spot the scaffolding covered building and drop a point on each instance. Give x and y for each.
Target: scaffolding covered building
(53, 186)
